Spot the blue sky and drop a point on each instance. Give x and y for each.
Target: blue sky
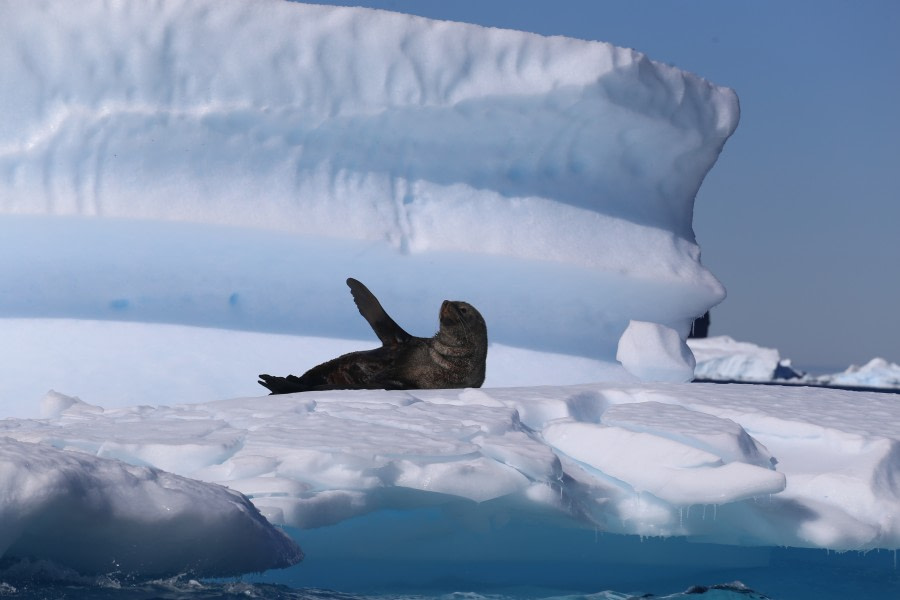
(800, 217)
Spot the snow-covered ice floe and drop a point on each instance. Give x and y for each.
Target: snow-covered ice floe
(796, 467)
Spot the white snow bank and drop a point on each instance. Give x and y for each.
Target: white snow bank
(120, 364)
(428, 152)
(785, 467)
(99, 516)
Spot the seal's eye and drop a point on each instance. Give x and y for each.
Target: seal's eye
(463, 310)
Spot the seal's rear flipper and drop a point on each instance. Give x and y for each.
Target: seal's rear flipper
(384, 326)
(282, 385)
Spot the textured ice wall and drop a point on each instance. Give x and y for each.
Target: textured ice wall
(381, 128)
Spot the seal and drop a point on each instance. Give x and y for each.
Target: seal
(454, 358)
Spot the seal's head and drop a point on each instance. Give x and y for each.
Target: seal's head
(461, 344)
(463, 325)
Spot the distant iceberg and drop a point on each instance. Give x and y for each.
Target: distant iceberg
(877, 373)
(721, 358)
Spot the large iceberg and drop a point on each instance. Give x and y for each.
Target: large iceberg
(362, 143)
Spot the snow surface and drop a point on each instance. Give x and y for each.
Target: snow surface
(121, 364)
(184, 187)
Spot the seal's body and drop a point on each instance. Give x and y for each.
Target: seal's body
(454, 358)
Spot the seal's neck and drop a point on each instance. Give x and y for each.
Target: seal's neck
(450, 345)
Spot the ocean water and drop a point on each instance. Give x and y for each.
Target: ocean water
(789, 574)
(189, 589)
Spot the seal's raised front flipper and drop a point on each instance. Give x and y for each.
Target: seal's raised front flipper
(384, 327)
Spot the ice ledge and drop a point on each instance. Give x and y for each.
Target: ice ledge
(805, 468)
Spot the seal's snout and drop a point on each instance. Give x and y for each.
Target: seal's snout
(447, 314)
